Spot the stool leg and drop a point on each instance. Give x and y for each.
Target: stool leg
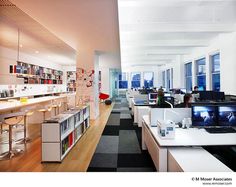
(44, 116)
(25, 139)
(12, 152)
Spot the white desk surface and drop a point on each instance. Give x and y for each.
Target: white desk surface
(200, 158)
(192, 137)
(6, 106)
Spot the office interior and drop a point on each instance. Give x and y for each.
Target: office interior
(117, 86)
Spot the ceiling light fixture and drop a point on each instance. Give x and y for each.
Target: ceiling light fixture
(36, 51)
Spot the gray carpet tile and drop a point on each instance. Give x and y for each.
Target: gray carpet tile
(125, 116)
(104, 160)
(114, 119)
(108, 144)
(135, 169)
(124, 108)
(128, 142)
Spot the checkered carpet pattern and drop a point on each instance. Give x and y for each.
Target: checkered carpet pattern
(119, 148)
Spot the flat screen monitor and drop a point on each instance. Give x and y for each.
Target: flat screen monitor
(201, 88)
(169, 99)
(227, 115)
(167, 94)
(205, 116)
(152, 96)
(206, 95)
(183, 90)
(218, 96)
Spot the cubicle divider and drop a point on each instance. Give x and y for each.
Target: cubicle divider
(174, 114)
(136, 98)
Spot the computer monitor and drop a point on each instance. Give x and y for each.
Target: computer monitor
(152, 96)
(201, 88)
(167, 94)
(206, 95)
(218, 96)
(169, 99)
(205, 116)
(183, 90)
(227, 115)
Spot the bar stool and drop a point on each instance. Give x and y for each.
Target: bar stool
(65, 104)
(56, 106)
(45, 109)
(28, 112)
(11, 152)
(1, 128)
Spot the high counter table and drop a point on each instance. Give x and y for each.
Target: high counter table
(8, 106)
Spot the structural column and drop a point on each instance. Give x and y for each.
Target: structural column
(87, 80)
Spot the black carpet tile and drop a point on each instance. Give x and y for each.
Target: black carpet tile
(135, 160)
(130, 157)
(96, 169)
(111, 130)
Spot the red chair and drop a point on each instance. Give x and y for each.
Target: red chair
(103, 96)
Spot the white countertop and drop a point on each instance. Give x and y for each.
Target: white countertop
(6, 106)
(200, 158)
(192, 137)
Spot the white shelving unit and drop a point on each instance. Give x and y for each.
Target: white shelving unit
(62, 132)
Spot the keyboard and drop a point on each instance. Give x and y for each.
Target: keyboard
(221, 130)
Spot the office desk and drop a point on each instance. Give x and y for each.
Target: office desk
(137, 106)
(183, 138)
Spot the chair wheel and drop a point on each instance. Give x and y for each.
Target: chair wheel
(108, 102)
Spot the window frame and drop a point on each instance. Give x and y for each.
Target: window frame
(201, 74)
(131, 79)
(123, 80)
(152, 80)
(188, 76)
(213, 71)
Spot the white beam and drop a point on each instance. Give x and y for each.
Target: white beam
(164, 43)
(176, 27)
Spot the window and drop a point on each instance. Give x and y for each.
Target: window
(164, 78)
(148, 79)
(171, 79)
(123, 83)
(215, 62)
(201, 73)
(168, 79)
(135, 80)
(188, 77)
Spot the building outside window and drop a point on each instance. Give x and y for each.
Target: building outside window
(188, 77)
(135, 79)
(123, 82)
(215, 62)
(172, 77)
(168, 79)
(201, 73)
(148, 79)
(164, 79)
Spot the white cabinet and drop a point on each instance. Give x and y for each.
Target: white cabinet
(61, 132)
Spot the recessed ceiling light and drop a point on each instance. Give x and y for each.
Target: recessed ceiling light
(36, 51)
(21, 45)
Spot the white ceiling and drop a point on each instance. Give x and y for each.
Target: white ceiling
(157, 31)
(82, 24)
(34, 39)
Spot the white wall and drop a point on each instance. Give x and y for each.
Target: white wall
(178, 72)
(225, 44)
(8, 57)
(107, 61)
(141, 69)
